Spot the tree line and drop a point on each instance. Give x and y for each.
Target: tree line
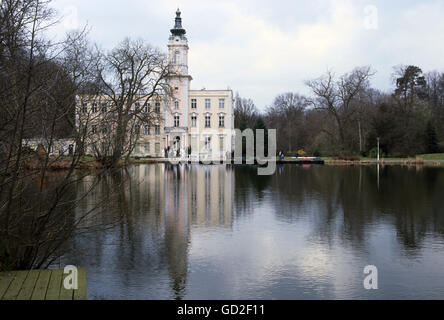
(344, 116)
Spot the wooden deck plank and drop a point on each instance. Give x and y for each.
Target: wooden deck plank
(55, 283)
(15, 286)
(5, 280)
(42, 285)
(80, 294)
(65, 294)
(28, 286)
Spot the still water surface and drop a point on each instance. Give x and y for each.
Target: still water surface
(215, 232)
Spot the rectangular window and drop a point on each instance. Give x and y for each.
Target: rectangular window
(194, 121)
(221, 121)
(147, 108)
(137, 107)
(104, 108)
(94, 108)
(94, 129)
(176, 121)
(193, 104)
(137, 129)
(207, 104)
(176, 104)
(157, 107)
(147, 147)
(221, 103)
(84, 108)
(147, 130)
(157, 148)
(157, 129)
(221, 143)
(207, 143)
(207, 121)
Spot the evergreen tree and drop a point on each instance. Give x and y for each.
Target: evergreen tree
(431, 138)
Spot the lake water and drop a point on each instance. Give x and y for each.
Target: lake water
(216, 232)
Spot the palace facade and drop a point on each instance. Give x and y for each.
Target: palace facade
(196, 121)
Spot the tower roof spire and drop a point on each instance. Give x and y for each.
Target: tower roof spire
(178, 30)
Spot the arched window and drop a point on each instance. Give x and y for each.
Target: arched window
(176, 104)
(176, 57)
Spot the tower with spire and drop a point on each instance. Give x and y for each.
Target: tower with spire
(176, 118)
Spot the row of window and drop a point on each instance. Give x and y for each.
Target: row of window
(147, 130)
(194, 121)
(147, 148)
(207, 104)
(147, 106)
(104, 107)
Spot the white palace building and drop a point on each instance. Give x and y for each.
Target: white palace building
(198, 119)
(202, 119)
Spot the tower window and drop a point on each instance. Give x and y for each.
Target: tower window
(176, 57)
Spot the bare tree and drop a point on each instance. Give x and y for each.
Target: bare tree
(39, 80)
(339, 99)
(286, 114)
(132, 76)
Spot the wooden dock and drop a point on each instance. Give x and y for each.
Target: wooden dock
(40, 285)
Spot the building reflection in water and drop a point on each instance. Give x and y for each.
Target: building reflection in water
(184, 196)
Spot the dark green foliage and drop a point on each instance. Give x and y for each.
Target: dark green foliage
(431, 140)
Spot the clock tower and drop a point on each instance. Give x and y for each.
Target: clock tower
(176, 116)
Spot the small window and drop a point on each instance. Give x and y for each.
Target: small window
(221, 121)
(147, 108)
(157, 107)
(207, 121)
(207, 104)
(193, 104)
(221, 143)
(137, 107)
(84, 108)
(94, 108)
(176, 104)
(176, 121)
(221, 103)
(94, 129)
(194, 121)
(176, 57)
(157, 129)
(147, 130)
(104, 108)
(207, 143)
(137, 129)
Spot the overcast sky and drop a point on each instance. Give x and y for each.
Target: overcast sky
(262, 48)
